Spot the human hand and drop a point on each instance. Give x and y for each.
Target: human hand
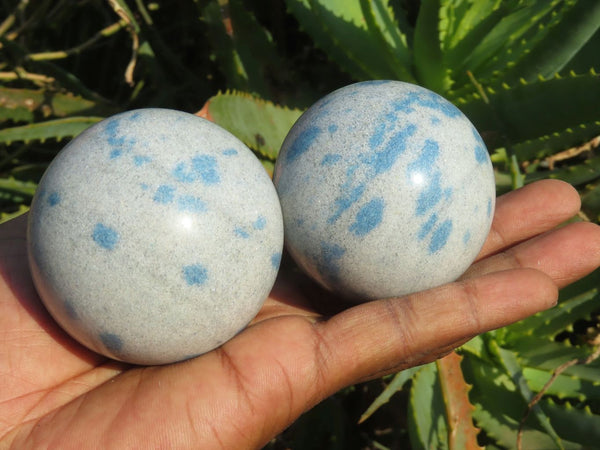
(55, 393)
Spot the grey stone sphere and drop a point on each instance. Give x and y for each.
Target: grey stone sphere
(154, 236)
(386, 189)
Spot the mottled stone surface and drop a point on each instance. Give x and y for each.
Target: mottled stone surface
(154, 236)
(386, 188)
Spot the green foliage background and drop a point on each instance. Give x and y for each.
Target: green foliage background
(524, 71)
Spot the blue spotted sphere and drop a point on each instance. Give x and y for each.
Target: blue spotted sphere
(386, 189)
(154, 236)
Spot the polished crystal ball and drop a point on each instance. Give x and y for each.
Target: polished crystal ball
(386, 189)
(154, 236)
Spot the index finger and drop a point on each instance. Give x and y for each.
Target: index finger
(529, 211)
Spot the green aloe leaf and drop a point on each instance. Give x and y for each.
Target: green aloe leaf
(576, 174)
(532, 110)
(244, 49)
(576, 302)
(426, 415)
(499, 407)
(467, 22)
(590, 201)
(340, 29)
(323, 38)
(393, 40)
(563, 386)
(26, 188)
(557, 141)
(51, 129)
(511, 365)
(495, 51)
(260, 124)
(16, 191)
(429, 61)
(396, 385)
(6, 216)
(23, 105)
(577, 22)
(549, 355)
(575, 424)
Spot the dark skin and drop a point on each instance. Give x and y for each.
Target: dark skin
(58, 394)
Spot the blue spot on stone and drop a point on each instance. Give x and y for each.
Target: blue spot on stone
(54, 199)
(181, 173)
(119, 144)
(332, 128)
(467, 237)
(383, 160)
(427, 226)
(206, 167)
(302, 143)
(144, 186)
(195, 274)
(135, 116)
(230, 152)
(376, 138)
(440, 236)
(111, 130)
(427, 100)
(260, 223)
(276, 260)
(240, 232)
(111, 127)
(202, 167)
(330, 159)
(435, 121)
(424, 164)
(368, 217)
(105, 237)
(480, 154)
(431, 195)
(345, 201)
(406, 104)
(329, 260)
(140, 160)
(189, 203)
(164, 194)
(489, 208)
(111, 341)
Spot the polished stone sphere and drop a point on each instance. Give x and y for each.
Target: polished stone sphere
(386, 189)
(154, 236)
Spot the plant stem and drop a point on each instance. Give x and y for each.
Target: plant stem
(10, 20)
(21, 74)
(108, 31)
(144, 12)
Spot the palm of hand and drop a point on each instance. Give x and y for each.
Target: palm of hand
(241, 395)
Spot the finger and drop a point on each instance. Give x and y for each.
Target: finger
(379, 336)
(529, 211)
(565, 254)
